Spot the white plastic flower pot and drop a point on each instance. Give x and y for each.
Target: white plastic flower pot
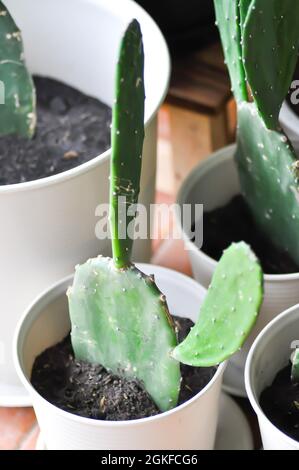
(213, 183)
(189, 426)
(49, 225)
(290, 123)
(269, 353)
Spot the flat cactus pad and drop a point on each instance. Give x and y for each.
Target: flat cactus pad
(120, 320)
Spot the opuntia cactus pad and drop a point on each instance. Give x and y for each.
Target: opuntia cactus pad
(229, 311)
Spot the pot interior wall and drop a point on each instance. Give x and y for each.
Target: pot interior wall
(215, 183)
(273, 351)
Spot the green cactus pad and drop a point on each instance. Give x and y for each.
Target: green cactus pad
(229, 310)
(18, 113)
(243, 7)
(120, 320)
(295, 366)
(127, 140)
(268, 173)
(119, 317)
(228, 19)
(270, 38)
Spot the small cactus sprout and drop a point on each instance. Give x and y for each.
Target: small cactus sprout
(229, 310)
(267, 32)
(18, 100)
(119, 317)
(295, 366)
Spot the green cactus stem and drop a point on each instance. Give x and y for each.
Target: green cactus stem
(127, 141)
(18, 112)
(119, 317)
(228, 22)
(267, 169)
(229, 310)
(120, 320)
(270, 39)
(295, 366)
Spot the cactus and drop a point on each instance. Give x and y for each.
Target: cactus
(18, 112)
(268, 33)
(295, 366)
(119, 317)
(229, 310)
(228, 21)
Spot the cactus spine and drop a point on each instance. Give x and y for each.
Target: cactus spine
(18, 111)
(266, 161)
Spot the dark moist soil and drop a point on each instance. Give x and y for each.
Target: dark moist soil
(89, 390)
(280, 403)
(72, 128)
(234, 223)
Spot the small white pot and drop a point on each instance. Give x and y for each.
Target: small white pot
(290, 123)
(189, 426)
(48, 225)
(269, 353)
(213, 183)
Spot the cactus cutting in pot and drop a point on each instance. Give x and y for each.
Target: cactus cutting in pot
(260, 41)
(119, 317)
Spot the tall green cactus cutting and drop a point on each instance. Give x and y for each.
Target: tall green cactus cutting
(18, 111)
(119, 317)
(268, 33)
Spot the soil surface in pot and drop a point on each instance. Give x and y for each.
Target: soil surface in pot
(72, 128)
(280, 403)
(234, 223)
(89, 390)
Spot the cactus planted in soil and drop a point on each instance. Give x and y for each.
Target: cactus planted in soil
(264, 44)
(119, 317)
(18, 101)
